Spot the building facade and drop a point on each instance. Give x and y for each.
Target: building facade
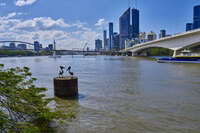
(189, 26)
(98, 45)
(12, 46)
(142, 37)
(152, 36)
(196, 17)
(22, 46)
(105, 40)
(162, 33)
(124, 28)
(110, 35)
(116, 42)
(36, 46)
(50, 47)
(135, 23)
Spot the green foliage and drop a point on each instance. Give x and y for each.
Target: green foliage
(159, 52)
(23, 53)
(15, 53)
(23, 106)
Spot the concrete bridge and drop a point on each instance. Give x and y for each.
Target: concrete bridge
(176, 43)
(17, 42)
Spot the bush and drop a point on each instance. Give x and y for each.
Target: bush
(23, 106)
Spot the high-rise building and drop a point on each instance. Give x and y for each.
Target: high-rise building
(152, 36)
(110, 35)
(124, 28)
(196, 18)
(98, 45)
(36, 46)
(135, 23)
(189, 26)
(105, 40)
(116, 42)
(162, 33)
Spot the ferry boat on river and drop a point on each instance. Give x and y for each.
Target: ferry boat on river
(185, 57)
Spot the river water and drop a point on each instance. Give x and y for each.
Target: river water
(124, 94)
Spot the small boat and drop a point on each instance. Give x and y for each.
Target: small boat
(185, 57)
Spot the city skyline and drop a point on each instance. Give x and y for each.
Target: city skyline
(33, 20)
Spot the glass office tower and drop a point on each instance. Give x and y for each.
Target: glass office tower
(124, 28)
(196, 23)
(135, 23)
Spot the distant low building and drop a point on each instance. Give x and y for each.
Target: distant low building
(50, 47)
(142, 36)
(12, 46)
(22, 46)
(152, 36)
(98, 45)
(189, 26)
(162, 33)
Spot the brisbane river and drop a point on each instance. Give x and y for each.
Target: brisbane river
(123, 94)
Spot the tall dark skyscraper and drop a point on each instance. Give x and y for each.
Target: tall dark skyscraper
(196, 23)
(124, 28)
(105, 39)
(110, 35)
(189, 26)
(135, 23)
(116, 42)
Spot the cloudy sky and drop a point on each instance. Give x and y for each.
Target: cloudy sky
(74, 22)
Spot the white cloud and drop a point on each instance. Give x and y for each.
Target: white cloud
(40, 23)
(45, 30)
(24, 2)
(101, 24)
(2, 4)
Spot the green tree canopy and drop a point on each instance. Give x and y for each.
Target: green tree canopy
(23, 106)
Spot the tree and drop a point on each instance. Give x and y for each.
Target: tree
(23, 106)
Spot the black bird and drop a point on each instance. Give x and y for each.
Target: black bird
(62, 67)
(61, 73)
(69, 69)
(71, 73)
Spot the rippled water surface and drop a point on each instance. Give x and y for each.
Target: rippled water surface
(124, 94)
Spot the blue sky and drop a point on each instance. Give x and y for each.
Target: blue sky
(75, 22)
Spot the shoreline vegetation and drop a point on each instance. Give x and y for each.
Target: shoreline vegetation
(24, 106)
(12, 53)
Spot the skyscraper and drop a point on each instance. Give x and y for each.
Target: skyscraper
(135, 23)
(116, 42)
(110, 35)
(105, 40)
(189, 26)
(36, 46)
(124, 28)
(98, 45)
(196, 23)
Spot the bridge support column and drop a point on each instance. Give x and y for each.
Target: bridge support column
(174, 55)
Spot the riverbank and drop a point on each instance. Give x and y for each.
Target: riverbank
(13, 53)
